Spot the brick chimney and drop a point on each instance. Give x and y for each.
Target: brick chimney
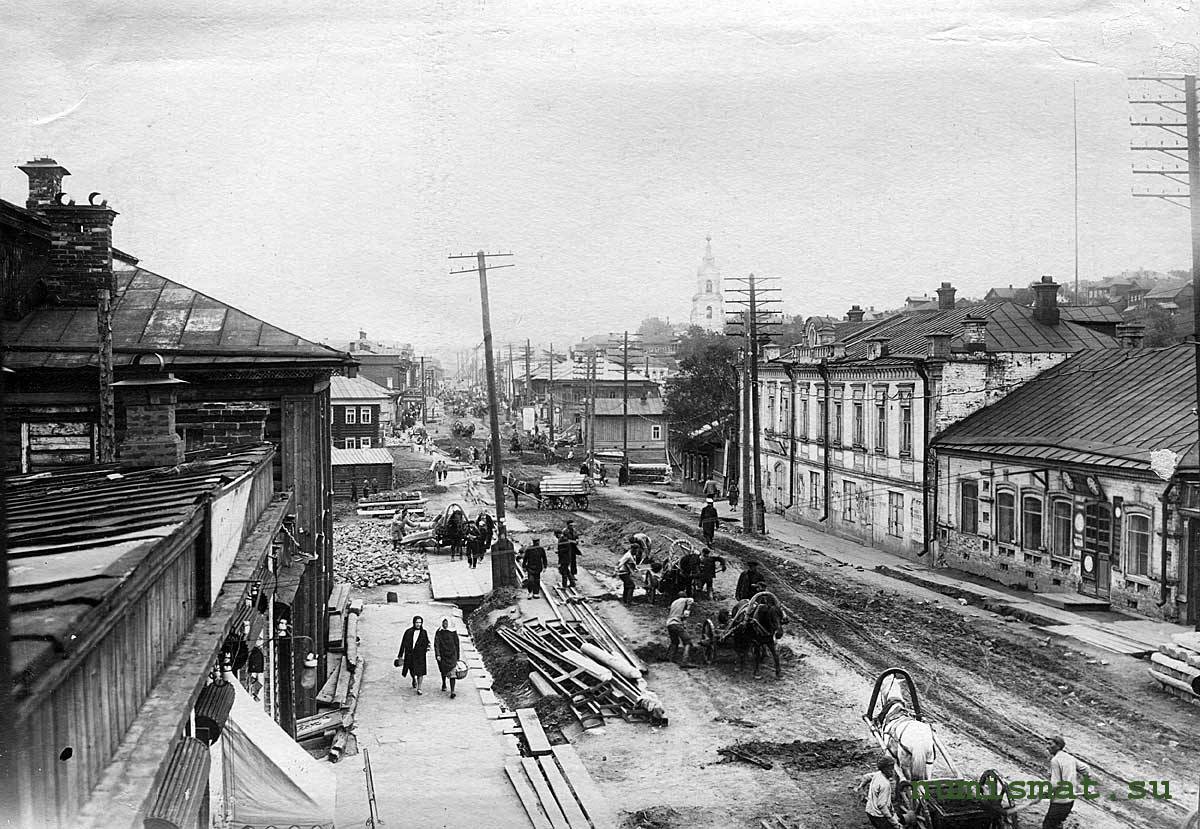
(876, 348)
(975, 332)
(150, 438)
(855, 314)
(939, 345)
(80, 259)
(1045, 301)
(1131, 334)
(946, 297)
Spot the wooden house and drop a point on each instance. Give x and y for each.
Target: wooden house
(351, 467)
(362, 412)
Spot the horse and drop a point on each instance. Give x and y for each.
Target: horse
(908, 738)
(757, 624)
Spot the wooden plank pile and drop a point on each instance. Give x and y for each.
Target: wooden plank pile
(387, 504)
(332, 728)
(1177, 666)
(580, 659)
(363, 556)
(553, 784)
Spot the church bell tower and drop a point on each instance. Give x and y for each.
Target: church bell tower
(708, 303)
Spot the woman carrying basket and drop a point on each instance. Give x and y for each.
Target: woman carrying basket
(445, 651)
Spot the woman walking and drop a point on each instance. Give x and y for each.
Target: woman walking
(414, 648)
(445, 651)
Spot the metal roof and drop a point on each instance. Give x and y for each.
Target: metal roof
(1010, 328)
(152, 314)
(356, 388)
(1090, 314)
(76, 537)
(608, 406)
(361, 457)
(1100, 408)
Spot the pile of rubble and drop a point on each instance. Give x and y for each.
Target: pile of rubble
(363, 556)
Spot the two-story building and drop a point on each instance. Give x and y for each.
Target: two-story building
(362, 414)
(847, 417)
(1069, 483)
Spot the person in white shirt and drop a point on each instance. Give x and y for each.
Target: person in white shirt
(880, 791)
(1064, 769)
(678, 632)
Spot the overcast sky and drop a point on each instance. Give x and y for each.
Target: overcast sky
(315, 164)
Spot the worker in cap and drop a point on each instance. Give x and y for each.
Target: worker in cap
(1069, 779)
(881, 811)
(708, 522)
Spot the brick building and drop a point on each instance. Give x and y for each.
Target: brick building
(1056, 487)
(362, 412)
(847, 416)
(112, 362)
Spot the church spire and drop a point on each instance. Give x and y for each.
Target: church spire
(708, 257)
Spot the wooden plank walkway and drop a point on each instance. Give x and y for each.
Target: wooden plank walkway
(454, 581)
(1099, 638)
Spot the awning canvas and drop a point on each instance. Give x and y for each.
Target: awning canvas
(270, 781)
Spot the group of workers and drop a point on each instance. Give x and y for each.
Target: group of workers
(534, 560)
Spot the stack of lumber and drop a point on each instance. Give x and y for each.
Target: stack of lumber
(586, 664)
(387, 504)
(553, 784)
(363, 556)
(1177, 666)
(333, 727)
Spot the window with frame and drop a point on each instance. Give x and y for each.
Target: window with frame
(656, 432)
(364, 443)
(896, 514)
(350, 443)
(857, 422)
(772, 422)
(1138, 536)
(1006, 517)
(906, 424)
(822, 408)
(804, 417)
(815, 490)
(838, 422)
(848, 500)
(783, 415)
(364, 415)
(1031, 523)
(968, 506)
(351, 415)
(881, 421)
(1060, 528)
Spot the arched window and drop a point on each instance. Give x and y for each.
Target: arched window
(1031, 522)
(1137, 545)
(708, 286)
(708, 313)
(1061, 516)
(1006, 517)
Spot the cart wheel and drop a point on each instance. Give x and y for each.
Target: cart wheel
(582, 502)
(553, 502)
(708, 641)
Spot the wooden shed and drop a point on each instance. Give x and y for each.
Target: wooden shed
(353, 466)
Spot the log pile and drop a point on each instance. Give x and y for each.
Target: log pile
(1176, 666)
(332, 728)
(363, 556)
(578, 657)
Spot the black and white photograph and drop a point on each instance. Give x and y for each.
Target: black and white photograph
(501, 414)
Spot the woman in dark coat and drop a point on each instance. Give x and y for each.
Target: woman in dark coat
(445, 651)
(414, 648)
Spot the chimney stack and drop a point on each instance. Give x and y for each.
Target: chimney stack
(1131, 334)
(946, 297)
(939, 345)
(80, 259)
(975, 332)
(855, 314)
(1045, 301)
(150, 438)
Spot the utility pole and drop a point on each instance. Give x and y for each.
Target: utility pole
(1174, 96)
(503, 560)
(1075, 138)
(550, 397)
(591, 424)
(761, 313)
(423, 419)
(744, 419)
(624, 344)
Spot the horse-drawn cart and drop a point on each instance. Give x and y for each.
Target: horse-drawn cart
(565, 492)
(894, 719)
(753, 624)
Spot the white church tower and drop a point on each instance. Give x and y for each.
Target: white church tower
(708, 304)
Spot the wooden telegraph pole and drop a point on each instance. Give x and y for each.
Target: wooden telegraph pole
(504, 573)
(550, 398)
(423, 420)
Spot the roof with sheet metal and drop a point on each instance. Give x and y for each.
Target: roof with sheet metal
(1101, 408)
(152, 314)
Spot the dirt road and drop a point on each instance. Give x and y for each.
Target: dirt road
(994, 687)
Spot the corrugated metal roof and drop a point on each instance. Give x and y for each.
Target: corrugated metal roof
(357, 457)
(74, 538)
(152, 313)
(1107, 408)
(355, 388)
(651, 406)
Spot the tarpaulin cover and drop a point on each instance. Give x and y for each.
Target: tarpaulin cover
(270, 780)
